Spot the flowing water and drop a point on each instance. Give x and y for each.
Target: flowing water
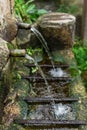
(44, 43)
(47, 84)
(41, 72)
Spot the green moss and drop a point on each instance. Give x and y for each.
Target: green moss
(23, 108)
(15, 127)
(74, 71)
(1, 127)
(22, 87)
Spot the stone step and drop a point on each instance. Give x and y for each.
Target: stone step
(49, 123)
(40, 79)
(48, 65)
(44, 100)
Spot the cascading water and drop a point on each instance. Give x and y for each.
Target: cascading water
(57, 109)
(44, 44)
(47, 84)
(42, 74)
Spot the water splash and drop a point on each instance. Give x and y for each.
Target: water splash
(61, 109)
(63, 112)
(58, 72)
(44, 43)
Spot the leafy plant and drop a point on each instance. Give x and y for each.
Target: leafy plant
(34, 53)
(80, 53)
(18, 76)
(31, 51)
(27, 12)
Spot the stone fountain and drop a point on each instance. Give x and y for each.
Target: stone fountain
(58, 30)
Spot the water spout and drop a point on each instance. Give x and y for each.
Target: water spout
(44, 44)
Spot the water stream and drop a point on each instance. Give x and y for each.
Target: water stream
(40, 70)
(44, 44)
(47, 84)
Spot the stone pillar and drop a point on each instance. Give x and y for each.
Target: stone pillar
(6, 11)
(8, 27)
(58, 30)
(4, 86)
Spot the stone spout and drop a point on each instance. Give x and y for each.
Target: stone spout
(18, 53)
(5, 53)
(10, 30)
(23, 25)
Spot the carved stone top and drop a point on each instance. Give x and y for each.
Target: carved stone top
(56, 20)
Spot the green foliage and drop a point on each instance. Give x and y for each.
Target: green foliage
(80, 53)
(18, 76)
(27, 12)
(74, 71)
(31, 51)
(71, 9)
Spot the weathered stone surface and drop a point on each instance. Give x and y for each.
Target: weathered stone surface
(57, 29)
(5, 75)
(9, 29)
(23, 37)
(26, 38)
(4, 53)
(6, 20)
(5, 7)
(15, 107)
